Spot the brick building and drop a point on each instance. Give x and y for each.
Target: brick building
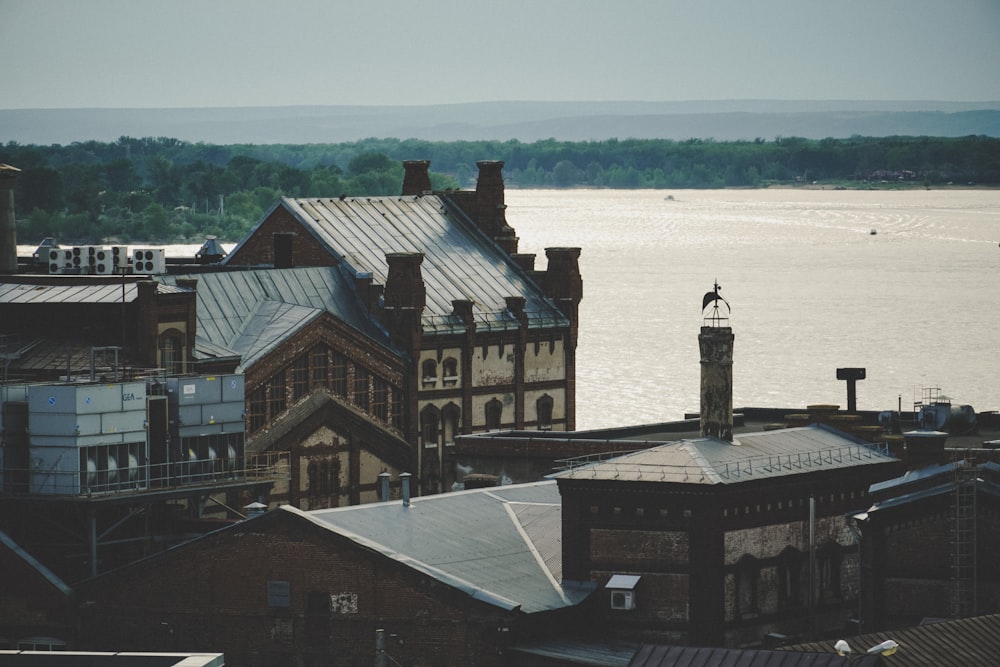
(374, 330)
(716, 543)
(450, 579)
(928, 541)
(53, 323)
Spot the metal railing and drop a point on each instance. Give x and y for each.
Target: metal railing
(39, 481)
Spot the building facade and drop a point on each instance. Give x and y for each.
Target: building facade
(425, 321)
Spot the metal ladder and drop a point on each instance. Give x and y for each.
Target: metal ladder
(963, 541)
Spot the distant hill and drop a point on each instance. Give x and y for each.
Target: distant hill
(524, 121)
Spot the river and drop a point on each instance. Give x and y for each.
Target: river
(811, 289)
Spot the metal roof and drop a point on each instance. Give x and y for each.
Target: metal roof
(70, 291)
(752, 456)
(460, 261)
(250, 312)
(501, 544)
(653, 655)
(941, 643)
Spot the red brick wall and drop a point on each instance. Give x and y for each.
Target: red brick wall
(212, 595)
(258, 249)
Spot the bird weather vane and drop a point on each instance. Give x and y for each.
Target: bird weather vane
(714, 298)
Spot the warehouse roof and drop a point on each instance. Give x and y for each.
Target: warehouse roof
(460, 261)
(751, 456)
(500, 545)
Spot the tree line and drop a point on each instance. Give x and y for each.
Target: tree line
(164, 190)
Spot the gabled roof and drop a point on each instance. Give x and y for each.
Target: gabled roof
(501, 545)
(248, 313)
(752, 456)
(460, 261)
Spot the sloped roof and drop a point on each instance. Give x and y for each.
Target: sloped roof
(942, 643)
(652, 655)
(248, 313)
(68, 289)
(752, 456)
(501, 545)
(460, 261)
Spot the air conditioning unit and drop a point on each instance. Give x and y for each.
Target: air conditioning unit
(121, 261)
(60, 259)
(149, 261)
(82, 257)
(623, 600)
(101, 262)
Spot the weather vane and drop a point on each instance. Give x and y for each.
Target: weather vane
(714, 298)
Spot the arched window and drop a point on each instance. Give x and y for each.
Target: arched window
(429, 421)
(450, 417)
(494, 414)
(829, 562)
(789, 578)
(172, 352)
(428, 372)
(543, 407)
(747, 575)
(449, 368)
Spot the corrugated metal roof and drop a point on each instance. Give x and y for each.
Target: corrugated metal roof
(753, 456)
(570, 652)
(652, 655)
(500, 544)
(66, 292)
(965, 642)
(251, 312)
(460, 262)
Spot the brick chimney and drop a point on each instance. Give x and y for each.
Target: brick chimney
(8, 221)
(404, 298)
(416, 178)
(716, 345)
(562, 281)
(491, 209)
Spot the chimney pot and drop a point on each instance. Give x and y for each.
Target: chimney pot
(405, 477)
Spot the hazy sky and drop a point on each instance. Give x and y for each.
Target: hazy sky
(203, 53)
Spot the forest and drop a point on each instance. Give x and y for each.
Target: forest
(162, 190)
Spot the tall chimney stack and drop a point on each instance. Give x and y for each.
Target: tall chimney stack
(492, 217)
(716, 345)
(8, 221)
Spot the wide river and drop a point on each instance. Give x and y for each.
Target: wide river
(811, 289)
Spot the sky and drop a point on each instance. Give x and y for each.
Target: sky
(224, 53)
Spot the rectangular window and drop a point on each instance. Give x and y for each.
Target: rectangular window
(257, 409)
(338, 374)
(396, 409)
(319, 366)
(276, 398)
(362, 399)
(278, 594)
(380, 399)
(300, 377)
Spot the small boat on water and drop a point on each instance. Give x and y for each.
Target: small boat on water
(873, 232)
